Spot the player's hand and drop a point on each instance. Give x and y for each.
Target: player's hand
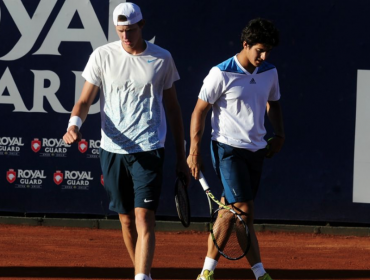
(182, 170)
(274, 145)
(195, 165)
(72, 135)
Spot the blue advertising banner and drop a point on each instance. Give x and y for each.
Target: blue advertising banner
(45, 45)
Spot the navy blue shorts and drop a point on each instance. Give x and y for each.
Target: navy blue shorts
(132, 180)
(239, 171)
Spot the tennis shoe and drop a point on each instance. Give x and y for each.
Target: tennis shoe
(207, 275)
(265, 277)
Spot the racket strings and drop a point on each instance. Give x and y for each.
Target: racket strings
(230, 234)
(242, 234)
(183, 202)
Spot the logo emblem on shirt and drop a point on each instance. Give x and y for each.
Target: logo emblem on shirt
(252, 81)
(146, 200)
(150, 61)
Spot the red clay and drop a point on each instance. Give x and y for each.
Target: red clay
(28, 252)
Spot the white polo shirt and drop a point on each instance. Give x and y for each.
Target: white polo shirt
(238, 101)
(132, 114)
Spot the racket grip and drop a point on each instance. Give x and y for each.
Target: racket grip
(203, 182)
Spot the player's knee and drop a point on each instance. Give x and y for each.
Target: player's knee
(246, 210)
(127, 222)
(145, 218)
(245, 207)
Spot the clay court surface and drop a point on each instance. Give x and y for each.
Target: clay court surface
(39, 252)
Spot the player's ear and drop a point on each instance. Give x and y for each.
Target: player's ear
(245, 45)
(141, 23)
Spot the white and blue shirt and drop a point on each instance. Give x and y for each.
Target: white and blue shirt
(132, 114)
(238, 101)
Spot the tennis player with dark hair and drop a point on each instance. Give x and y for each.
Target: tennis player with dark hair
(240, 90)
(136, 79)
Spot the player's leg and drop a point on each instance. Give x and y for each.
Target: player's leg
(240, 172)
(255, 163)
(253, 256)
(119, 187)
(213, 255)
(212, 252)
(144, 254)
(129, 233)
(146, 169)
(210, 261)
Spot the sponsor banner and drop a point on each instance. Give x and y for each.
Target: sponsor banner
(43, 33)
(73, 180)
(26, 179)
(90, 148)
(11, 146)
(50, 147)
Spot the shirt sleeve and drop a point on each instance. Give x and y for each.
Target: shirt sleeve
(92, 71)
(275, 89)
(212, 87)
(172, 75)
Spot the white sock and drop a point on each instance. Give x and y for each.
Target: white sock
(258, 270)
(142, 276)
(209, 264)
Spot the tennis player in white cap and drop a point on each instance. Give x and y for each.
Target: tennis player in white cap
(136, 81)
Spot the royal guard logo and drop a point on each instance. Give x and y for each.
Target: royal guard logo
(26, 178)
(82, 146)
(50, 147)
(11, 146)
(58, 177)
(11, 175)
(102, 179)
(74, 180)
(36, 145)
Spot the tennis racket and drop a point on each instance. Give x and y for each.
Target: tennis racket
(228, 229)
(182, 199)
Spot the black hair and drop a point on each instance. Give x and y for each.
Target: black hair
(124, 18)
(260, 31)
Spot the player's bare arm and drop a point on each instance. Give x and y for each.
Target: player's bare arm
(81, 110)
(197, 125)
(275, 116)
(174, 118)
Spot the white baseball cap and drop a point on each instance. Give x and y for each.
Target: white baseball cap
(130, 10)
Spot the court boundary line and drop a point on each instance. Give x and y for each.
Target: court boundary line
(177, 226)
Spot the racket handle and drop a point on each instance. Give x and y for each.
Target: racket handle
(203, 182)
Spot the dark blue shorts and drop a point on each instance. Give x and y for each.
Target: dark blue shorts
(239, 171)
(132, 180)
